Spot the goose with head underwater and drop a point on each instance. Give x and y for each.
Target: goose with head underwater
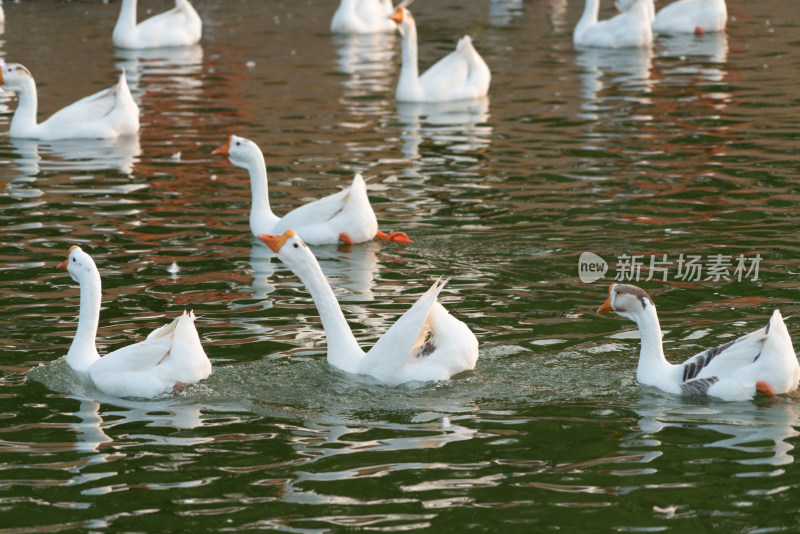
(343, 217)
(425, 343)
(106, 114)
(762, 361)
(170, 357)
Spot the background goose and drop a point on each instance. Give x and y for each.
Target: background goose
(103, 115)
(629, 29)
(363, 16)
(170, 356)
(685, 16)
(762, 361)
(345, 216)
(460, 75)
(425, 343)
(180, 26)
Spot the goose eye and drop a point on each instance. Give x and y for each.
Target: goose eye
(238, 143)
(73, 259)
(296, 245)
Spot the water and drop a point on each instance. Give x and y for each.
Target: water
(690, 149)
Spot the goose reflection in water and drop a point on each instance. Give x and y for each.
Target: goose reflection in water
(458, 125)
(74, 155)
(178, 67)
(502, 12)
(765, 434)
(368, 60)
(349, 267)
(698, 56)
(624, 74)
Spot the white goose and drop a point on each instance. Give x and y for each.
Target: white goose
(761, 361)
(685, 16)
(180, 26)
(363, 16)
(629, 29)
(460, 75)
(425, 343)
(345, 216)
(170, 356)
(103, 115)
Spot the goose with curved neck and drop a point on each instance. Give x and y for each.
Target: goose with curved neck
(180, 26)
(346, 216)
(460, 75)
(762, 361)
(170, 356)
(628, 29)
(363, 16)
(107, 114)
(425, 343)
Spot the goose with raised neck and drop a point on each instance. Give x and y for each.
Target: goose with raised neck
(168, 358)
(106, 114)
(179, 26)
(460, 75)
(346, 216)
(761, 361)
(629, 29)
(425, 343)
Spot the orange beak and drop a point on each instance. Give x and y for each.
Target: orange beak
(224, 150)
(275, 242)
(397, 16)
(1, 76)
(63, 264)
(606, 306)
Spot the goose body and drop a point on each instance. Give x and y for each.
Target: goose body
(180, 26)
(629, 29)
(346, 216)
(106, 114)
(460, 75)
(761, 361)
(169, 357)
(363, 16)
(425, 343)
(685, 16)
(691, 16)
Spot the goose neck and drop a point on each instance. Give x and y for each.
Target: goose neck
(23, 123)
(652, 362)
(343, 349)
(83, 351)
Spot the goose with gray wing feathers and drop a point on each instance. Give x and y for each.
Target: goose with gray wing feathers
(761, 361)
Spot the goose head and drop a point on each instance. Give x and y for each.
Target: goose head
(14, 76)
(626, 300)
(78, 264)
(289, 247)
(240, 151)
(402, 17)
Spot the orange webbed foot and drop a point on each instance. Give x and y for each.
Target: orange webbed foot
(699, 31)
(765, 389)
(345, 238)
(397, 237)
(178, 387)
